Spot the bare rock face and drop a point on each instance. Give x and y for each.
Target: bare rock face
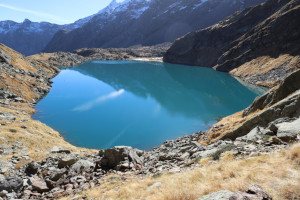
(120, 157)
(263, 30)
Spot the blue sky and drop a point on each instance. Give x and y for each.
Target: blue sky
(54, 11)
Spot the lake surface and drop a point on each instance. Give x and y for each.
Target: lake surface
(102, 104)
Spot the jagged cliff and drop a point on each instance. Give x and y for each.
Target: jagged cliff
(259, 44)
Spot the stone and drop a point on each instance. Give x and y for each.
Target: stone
(67, 160)
(5, 166)
(134, 157)
(112, 157)
(288, 131)
(255, 192)
(56, 174)
(32, 168)
(220, 195)
(175, 170)
(155, 185)
(83, 165)
(11, 183)
(185, 156)
(39, 184)
(56, 149)
(254, 134)
(259, 191)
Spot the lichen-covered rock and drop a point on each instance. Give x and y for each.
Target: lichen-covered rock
(220, 195)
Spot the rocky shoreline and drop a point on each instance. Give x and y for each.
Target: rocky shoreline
(67, 59)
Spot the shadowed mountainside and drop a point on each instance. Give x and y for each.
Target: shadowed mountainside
(261, 41)
(145, 23)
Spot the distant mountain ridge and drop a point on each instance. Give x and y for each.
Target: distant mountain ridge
(30, 37)
(120, 24)
(149, 22)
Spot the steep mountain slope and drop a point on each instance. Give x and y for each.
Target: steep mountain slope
(262, 43)
(137, 22)
(32, 37)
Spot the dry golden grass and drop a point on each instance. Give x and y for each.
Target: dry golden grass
(37, 138)
(228, 124)
(278, 174)
(264, 64)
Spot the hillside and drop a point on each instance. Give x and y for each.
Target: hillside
(144, 23)
(258, 44)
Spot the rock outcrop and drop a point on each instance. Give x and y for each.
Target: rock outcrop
(259, 44)
(255, 192)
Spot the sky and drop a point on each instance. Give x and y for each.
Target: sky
(54, 11)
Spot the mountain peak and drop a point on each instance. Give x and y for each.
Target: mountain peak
(26, 21)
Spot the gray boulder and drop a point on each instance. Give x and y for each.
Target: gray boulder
(83, 165)
(220, 195)
(67, 160)
(55, 174)
(115, 156)
(288, 131)
(10, 183)
(39, 184)
(255, 192)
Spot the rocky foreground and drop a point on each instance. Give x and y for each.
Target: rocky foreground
(36, 163)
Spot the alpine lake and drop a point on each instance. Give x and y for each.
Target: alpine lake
(101, 104)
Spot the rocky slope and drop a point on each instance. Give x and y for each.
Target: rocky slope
(22, 83)
(145, 23)
(258, 44)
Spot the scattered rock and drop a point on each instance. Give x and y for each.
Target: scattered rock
(10, 183)
(67, 160)
(221, 195)
(83, 165)
(39, 184)
(255, 192)
(288, 131)
(56, 149)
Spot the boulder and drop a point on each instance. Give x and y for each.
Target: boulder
(220, 195)
(83, 165)
(55, 174)
(39, 184)
(288, 131)
(255, 192)
(114, 156)
(56, 149)
(67, 161)
(32, 168)
(10, 183)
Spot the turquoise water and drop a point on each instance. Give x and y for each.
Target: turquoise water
(102, 104)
